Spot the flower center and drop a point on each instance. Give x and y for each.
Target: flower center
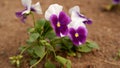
(58, 24)
(76, 35)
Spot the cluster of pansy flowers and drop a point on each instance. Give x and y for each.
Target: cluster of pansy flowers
(74, 27)
(116, 1)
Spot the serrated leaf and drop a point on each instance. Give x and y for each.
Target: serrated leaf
(49, 64)
(39, 50)
(92, 45)
(65, 62)
(33, 37)
(84, 48)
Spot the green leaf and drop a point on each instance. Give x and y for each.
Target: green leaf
(40, 23)
(30, 30)
(67, 43)
(39, 50)
(49, 64)
(92, 45)
(65, 62)
(50, 35)
(55, 41)
(84, 48)
(30, 51)
(68, 64)
(33, 61)
(33, 37)
(71, 53)
(47, 27)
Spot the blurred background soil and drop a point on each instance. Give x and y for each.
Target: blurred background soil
(105, 30)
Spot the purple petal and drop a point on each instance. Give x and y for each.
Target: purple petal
(57, 30)
(72, 33)
(18, 14)
(64, 18)
(88, 21)
(72, 36)
(80, 15)
(32, 9)
(64, 30)
(53, 20)
(82, 34)
(116, 1)
(21, 16)
(82, 31)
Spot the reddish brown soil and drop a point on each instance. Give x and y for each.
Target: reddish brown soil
(105, 30)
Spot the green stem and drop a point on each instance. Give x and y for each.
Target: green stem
(38, 61)
(24, 50)
(54, 53)
(33, 18)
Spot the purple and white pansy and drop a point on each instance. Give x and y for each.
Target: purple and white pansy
(77, 28)
(58, 19)
(116, 1)
(28, 8)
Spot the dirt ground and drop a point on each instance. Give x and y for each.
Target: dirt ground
(105, 30)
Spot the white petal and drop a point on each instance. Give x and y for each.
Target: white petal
(37, 8)
(27, 3)
(74, 9)
(76, 21)
(53, 9)
(76, 24)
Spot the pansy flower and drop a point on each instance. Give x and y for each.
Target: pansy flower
(58, 19)
(116, 1)
(28, 8)
(77, 28)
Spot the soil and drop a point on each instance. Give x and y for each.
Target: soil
(105, 30)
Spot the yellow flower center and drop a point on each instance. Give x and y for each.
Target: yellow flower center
(76, 35)
(58, 24)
